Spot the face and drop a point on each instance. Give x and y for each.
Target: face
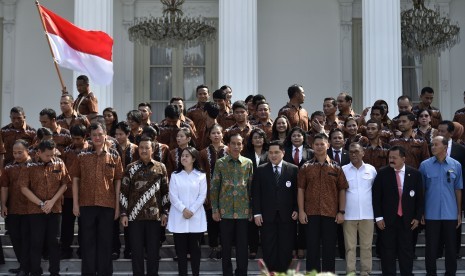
(356, 154)
(235, 146)
(424, 119)
(376, 115)
(320, 146)
(98, 137)
(250, 107)
(145, 150)
(145, 110)
(297, 139)
(337, 140)
(78, 140)
(46, 155)
(216, 135)
(120, 136)
(386, 108)
(17, 119)
(404, 106)
(329, 108)
(132, 124)
(108, 117)
(437, 147)
(228, 93)
(179, 104)
(281, 125)
(275, 155)
(257, 140)
(240, 115)
(427, 98)
(395, 160)
(182, 139)
(82, 86)
(263, 111)
(342, 104)
(221, 103)
(320, 119)
(404, 124)
(20, 153)
(66, 104)
(442, 131)
(186, 159)
(45, 121)
(372, 131)
(300, 95)
(202, 95)
(351, 127)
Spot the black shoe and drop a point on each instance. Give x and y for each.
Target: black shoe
(14, 270)
(213, 254)
(115, 256)
(175, 258)
(458, 256)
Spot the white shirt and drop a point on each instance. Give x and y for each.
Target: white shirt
(358, 196)
(301, 148)
(449, 147)
(401, 176)
(187, 191)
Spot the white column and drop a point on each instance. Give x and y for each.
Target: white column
(8, 69)
(126, 101)
(345, 10)
(382, 55)
(238, 47)
(95, 15)
(445, 97)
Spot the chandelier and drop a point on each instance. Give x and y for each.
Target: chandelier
(425, 32)
(172, 29)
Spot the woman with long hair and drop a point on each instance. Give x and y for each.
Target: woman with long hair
(183, 139)
(351, 133)
(111, 120)
(280, 129)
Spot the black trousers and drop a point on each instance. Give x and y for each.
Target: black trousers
(97, 232)
(18, 227)
(188, 243)
(301, 240)
(213, 229)
(437, 230)
(254, 237)
(145, 234)
(67, 226)
(397, 242)
(277, 243)
(341, 248)
(321, 230)
(234, 229)
(44, 231)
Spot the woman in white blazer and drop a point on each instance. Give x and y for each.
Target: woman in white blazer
(187, 220)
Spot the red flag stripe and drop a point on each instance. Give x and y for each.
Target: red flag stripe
(91, 42)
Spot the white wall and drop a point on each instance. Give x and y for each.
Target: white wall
(457, 58)
(298, 42)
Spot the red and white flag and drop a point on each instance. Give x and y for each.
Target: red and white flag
(89, 52)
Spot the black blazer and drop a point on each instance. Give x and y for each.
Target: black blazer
(307, 154)
(251, 156)
(457, 152)
(344, 156)
(269, 196)
(386, 195)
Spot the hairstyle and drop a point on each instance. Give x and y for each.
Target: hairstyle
(115, 116)
(350, 118)
(320, 136)
(213, 127)
(334, 130)
(423, 110)
(381, 102)
(444, 141)
(224, 87)
(258, 98)
(372, 121)
(200, 87)
(22, 142)
(151, 132)
(83, 78)
(239, 104)
(262, 102)
(450, 125)
(401, 150)
(248, 99)
(78, 130)
(67, 95)
(347, 97)
(172, 112)
(404, 97)
(262, 134)
(174, 99)
(293, 89)
(317, 113)
(135, 115)
(43, 131)
(51, 114)
(17, 109)
(188, 132)
(333, 101)
(46, 145)
(277, 143)
(219, 94)
(212, 109)
(237, 134)
(147, 139)
(410, 116)
(96, 125)
(381, 109)
(124, 127)
(288, 141)
(426, 89)
(356, 144)
(145, 104)
(195, 154)
(274, 132)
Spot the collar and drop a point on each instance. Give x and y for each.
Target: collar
(280, 164)
(241, 159)
(445, 160)
(449, 143)
(353, 167)
(402, 169)
(334, 150)
(195, 171)
(151, 162)
(301, 148)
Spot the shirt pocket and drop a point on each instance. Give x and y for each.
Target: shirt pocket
(110, 170)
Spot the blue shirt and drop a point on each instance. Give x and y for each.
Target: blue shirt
(440, 180)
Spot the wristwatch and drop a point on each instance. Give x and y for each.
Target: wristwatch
(41, 204)
(342, 212)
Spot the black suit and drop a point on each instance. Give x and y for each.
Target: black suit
(307, 154)
(397, 236)
(344, 156)
(275, 202)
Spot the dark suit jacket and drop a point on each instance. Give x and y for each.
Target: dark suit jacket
(307, 154)
(251, 156)
(269, 196)
(344, 156)
(457, 152)
(386, 195)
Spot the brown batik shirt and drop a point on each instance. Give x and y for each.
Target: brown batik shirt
(62, 138)
(208, 157)
(144, 191)
(128, 154)
(296, 115)
(97, 174)
(8, 137)
(69, 157)
(245, 132)
(44, 180)
(416, 149)
(266, 127)
(195, 113)
(321, 184)
(168, 133)
(436, 116)
(86, 104)
(75, 120)
(377, 156)
(17, 202)
(225, 119)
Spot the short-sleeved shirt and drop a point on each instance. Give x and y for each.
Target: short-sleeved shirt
(17, 202)
(230, 187)
(416, 150)
(296, 115)
(436, 116)
(44, 180)
(129, 154)
(440, 180)
(8, 137)
(195, 113)
(226, 119)
(69, 156)
(76, 120)
(62, 138)
(97, 174)
(86, 104)
(266, 127)
(321, 184)
(377, 156)
(428, 135)
(208, 157)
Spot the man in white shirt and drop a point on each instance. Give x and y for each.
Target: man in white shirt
(359, 210)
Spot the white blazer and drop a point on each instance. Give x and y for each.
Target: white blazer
(187, 191)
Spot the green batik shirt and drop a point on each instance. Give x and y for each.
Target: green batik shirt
(230, 187)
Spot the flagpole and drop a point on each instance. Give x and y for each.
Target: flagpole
(63, 88)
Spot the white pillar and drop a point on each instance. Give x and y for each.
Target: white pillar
(382, 55)
(445, 96)
(8, 69)
(95, 15)
(345, 10)
(126, 101)
(238, 47)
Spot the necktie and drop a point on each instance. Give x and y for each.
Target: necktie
(296, 156)
(399, 188)
(276, 174)
(336, 156)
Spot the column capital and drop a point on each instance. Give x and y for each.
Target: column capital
(9, 15)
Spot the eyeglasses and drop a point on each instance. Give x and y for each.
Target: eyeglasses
(448, 176)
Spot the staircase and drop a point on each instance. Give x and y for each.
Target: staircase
(212, 267)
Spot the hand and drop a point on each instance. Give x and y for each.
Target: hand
(365, 111)
(164, 220)
(63, 91)
(76, 210)
(258, 220)
(117, 213)
(381, 225)
(339, 218)
(207, 201)
(414, 224)
(295, 215)
(187, 214)
(422, 220)
(124, 221)
(48, 205)
(4, 211)
(216, 216)
(317, 126)
(303, 217)
(459, 220)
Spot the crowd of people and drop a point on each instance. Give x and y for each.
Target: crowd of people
(299, 186)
